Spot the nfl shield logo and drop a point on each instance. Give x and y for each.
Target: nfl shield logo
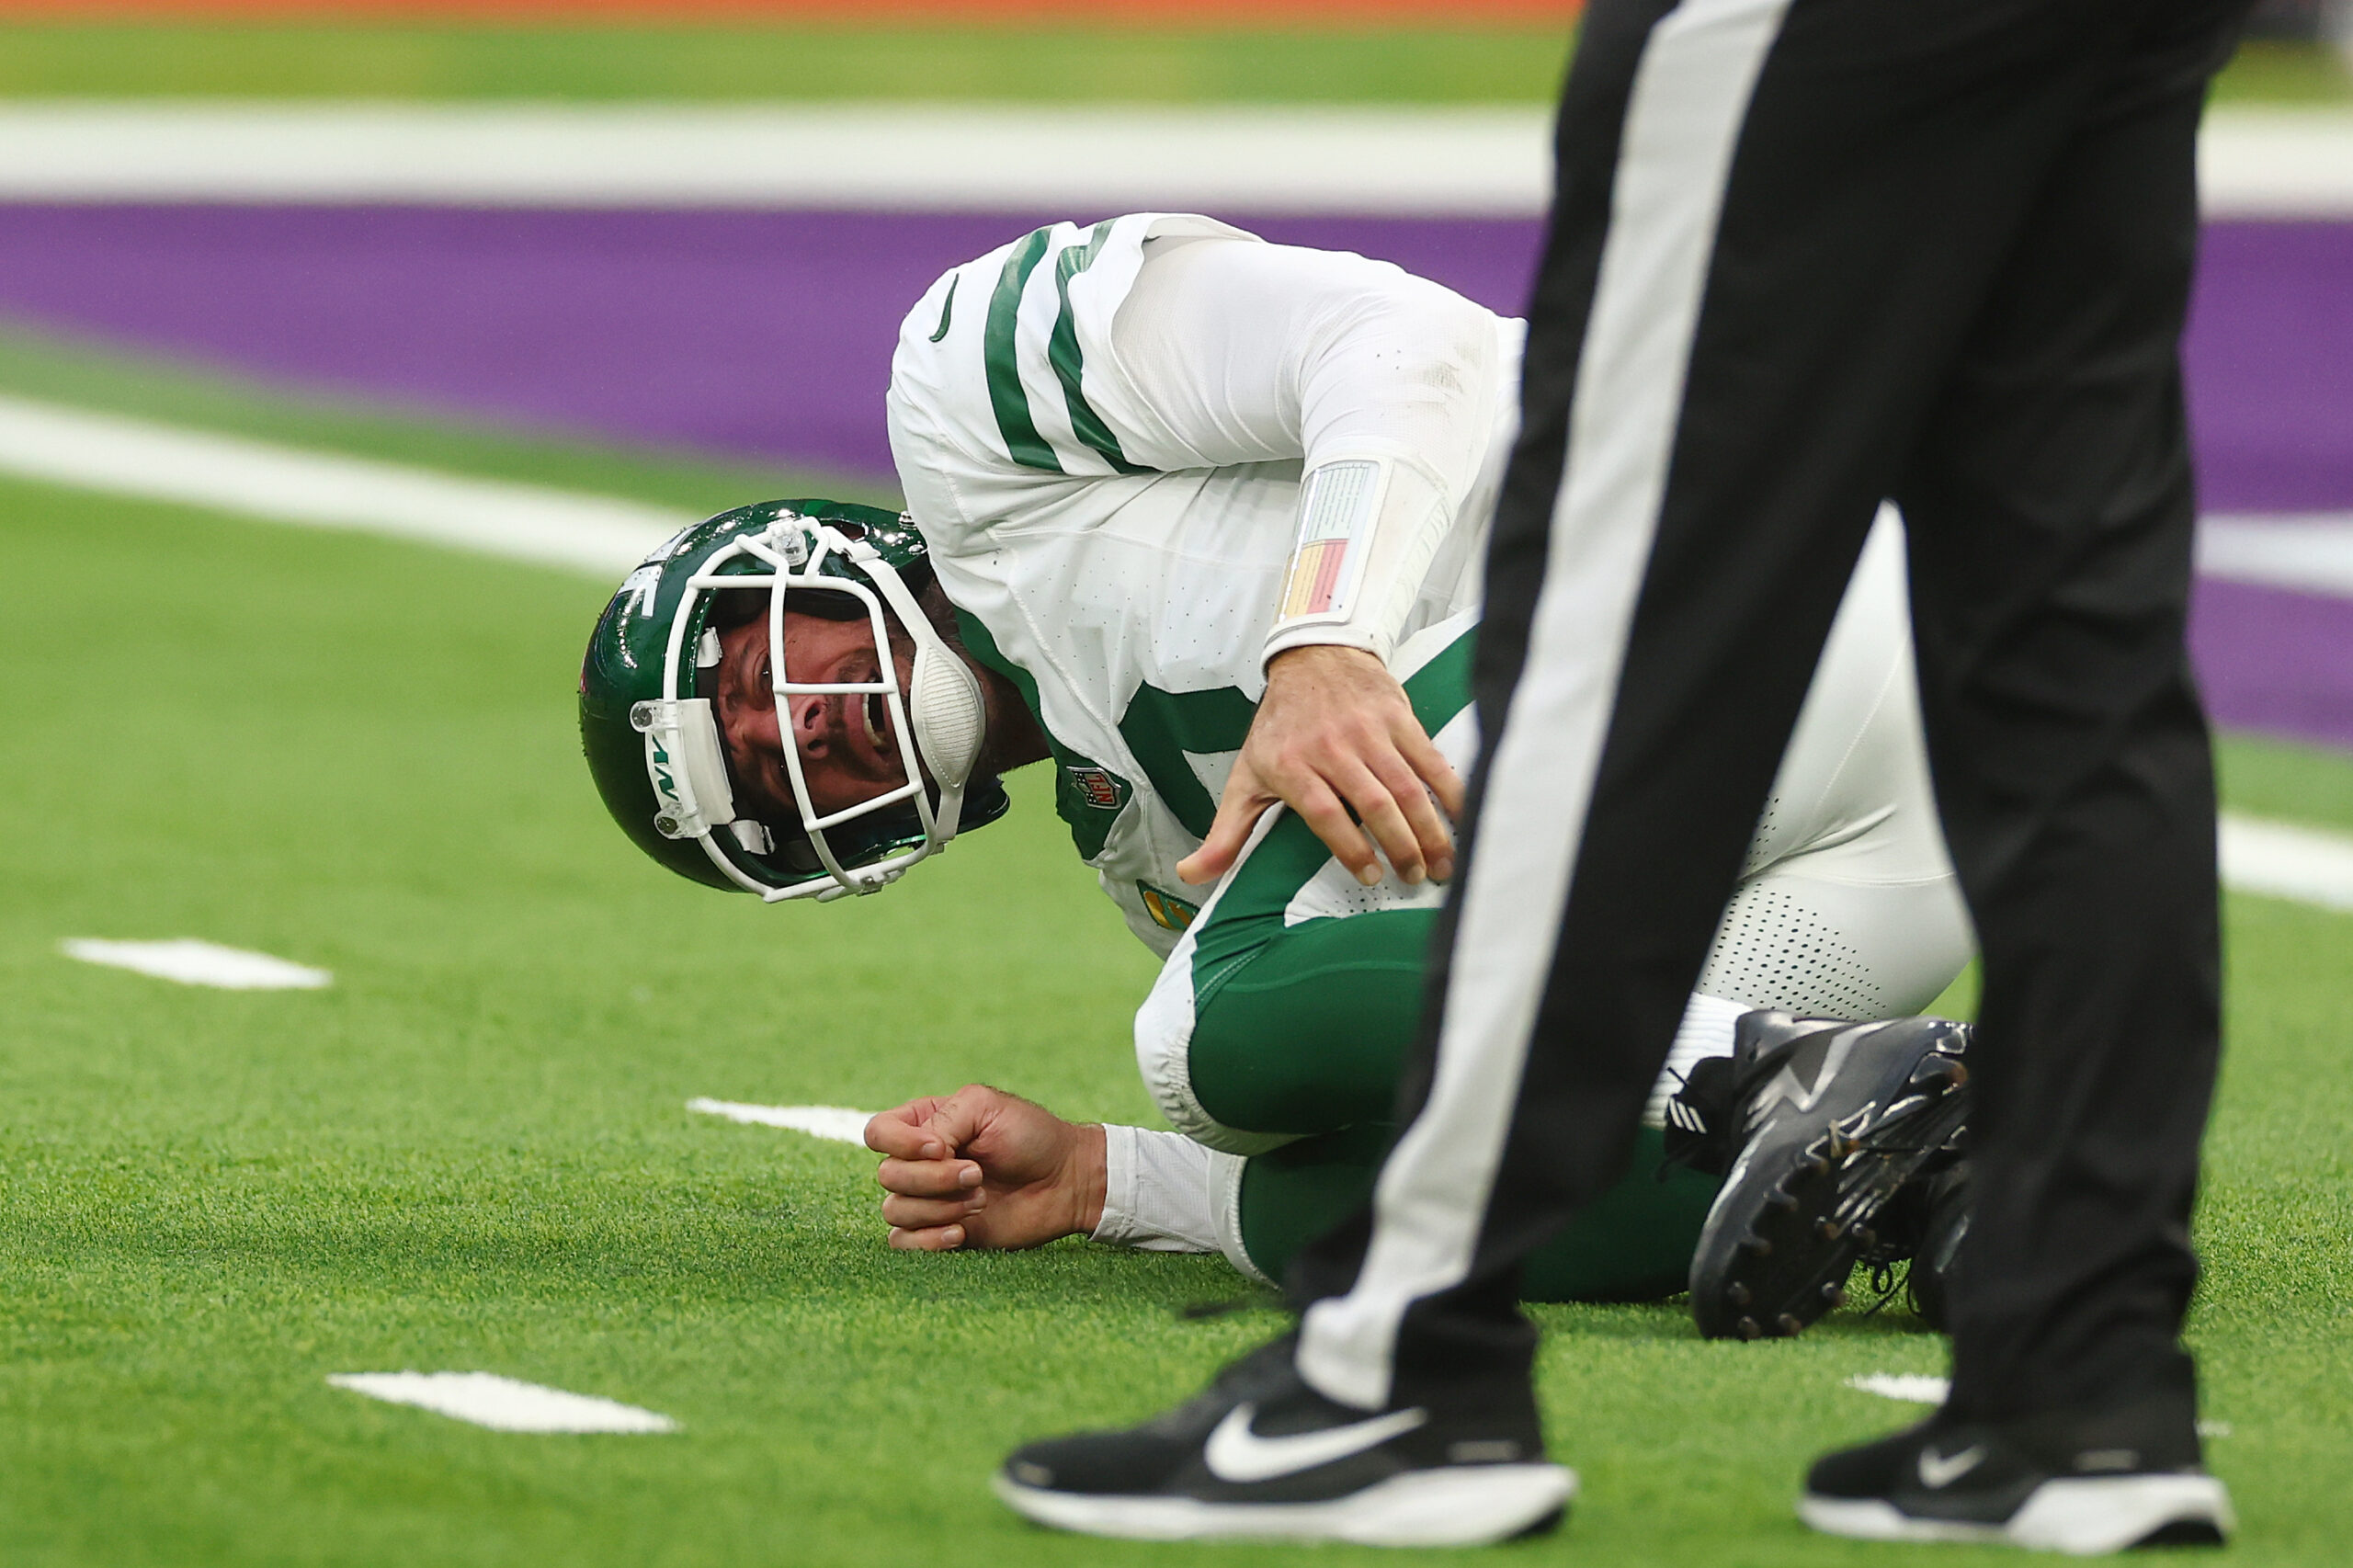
(1095, 787)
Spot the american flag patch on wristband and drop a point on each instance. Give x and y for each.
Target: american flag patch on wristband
(1333, 515)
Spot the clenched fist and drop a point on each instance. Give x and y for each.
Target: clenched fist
(983, 1168)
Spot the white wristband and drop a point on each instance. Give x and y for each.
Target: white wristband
(1368, 527)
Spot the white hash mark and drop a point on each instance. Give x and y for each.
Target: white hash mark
(1912, 1388)
(839, 1123)
(2280, 860)
(192, 962)
(503, 1404)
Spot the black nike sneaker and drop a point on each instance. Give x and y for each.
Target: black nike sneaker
(1827, 1120)
(2079, 1482)
(1260, 1454)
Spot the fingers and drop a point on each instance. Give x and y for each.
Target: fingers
(1397, 810)
(906, 1130)
(919, 1213)
(928, 1179)
(1238, 811)
(1386, 825)
(955, 1120)
(929, 1193)
(929, 1201)
(1218, 852)
(1437, 774)
(1335, 739)
(1323, 811)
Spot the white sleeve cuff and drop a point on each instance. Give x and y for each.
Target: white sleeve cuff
(1157, 1192)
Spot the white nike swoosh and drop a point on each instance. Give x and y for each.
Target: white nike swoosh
(1237, 1454)
(1940, 1471)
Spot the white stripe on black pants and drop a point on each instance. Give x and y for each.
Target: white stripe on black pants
(1807, 255)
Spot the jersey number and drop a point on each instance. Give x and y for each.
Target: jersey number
(1162, 727)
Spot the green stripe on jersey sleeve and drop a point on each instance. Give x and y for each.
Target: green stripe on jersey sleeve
(999, 356)
(1062, 352)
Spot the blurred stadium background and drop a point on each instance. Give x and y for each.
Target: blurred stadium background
(699, 233)
(658, 254)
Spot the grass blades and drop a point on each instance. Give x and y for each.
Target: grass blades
(473, 1153)
(1019, 63)
(802, 63)
(2287, 780)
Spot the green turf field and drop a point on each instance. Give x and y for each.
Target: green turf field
(1015, 63)
(472, 1153)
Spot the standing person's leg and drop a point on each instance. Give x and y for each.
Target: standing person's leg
(1771, 293)
(1776, 222)
(2052, 513)
(2051, 508)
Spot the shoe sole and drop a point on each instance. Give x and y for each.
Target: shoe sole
(2084, 1518)
(1461, 1506)
(1790, 1262)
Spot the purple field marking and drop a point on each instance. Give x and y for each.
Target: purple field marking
(770, 335)
(2269, 362)
(2275, 661)
(753, 334)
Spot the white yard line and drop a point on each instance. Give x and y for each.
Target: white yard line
(192, 962)
(838, 1124)
(2311, 554)
(605, 537)
(120, 455)
(1470, 162)
(504, 1404)
(2278, 860)
(123, 456)
(2276, 162)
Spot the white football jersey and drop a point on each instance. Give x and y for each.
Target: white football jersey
(1105, 554)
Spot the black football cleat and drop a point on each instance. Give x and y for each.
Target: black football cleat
(2069, 1482)
(1944, 1204)
(1827, 1121)
(1261, 1455)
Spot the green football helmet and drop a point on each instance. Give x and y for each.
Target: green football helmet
(651, 735)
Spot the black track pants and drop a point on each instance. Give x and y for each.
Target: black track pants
(1806, 255)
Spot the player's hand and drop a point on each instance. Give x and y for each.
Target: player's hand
(981, 1168)
(1334, 734)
